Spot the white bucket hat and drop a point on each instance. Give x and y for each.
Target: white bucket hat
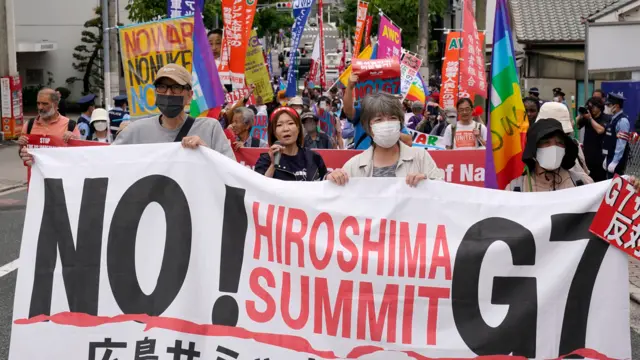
(99, 115)
(558, 111)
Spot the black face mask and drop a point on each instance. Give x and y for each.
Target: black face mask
(170, 105)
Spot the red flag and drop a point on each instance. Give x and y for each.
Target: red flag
(343, 60)
(360, 20)
(367, 30)
(472, 72)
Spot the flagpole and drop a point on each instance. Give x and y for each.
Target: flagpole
(460, 53)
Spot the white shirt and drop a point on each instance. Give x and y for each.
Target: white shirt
(464, 136)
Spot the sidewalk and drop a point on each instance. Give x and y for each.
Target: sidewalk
(634, 279)
(13, 174)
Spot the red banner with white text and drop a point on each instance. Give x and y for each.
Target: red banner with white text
(464, 167)
(360, 20)
(472, 73)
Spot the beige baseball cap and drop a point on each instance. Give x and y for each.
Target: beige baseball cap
(174, 72)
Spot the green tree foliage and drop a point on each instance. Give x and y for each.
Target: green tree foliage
(89, 56)
(403, 12)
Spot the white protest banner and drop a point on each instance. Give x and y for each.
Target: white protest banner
(409, 67)
(425, 140)
(185, 254)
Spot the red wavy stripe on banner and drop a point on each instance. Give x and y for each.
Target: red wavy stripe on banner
(291, 342)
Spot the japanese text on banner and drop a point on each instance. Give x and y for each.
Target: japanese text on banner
(255, 69)
(450, 92)
(180, 8)
(409, 67)
(146, 48)
(301, 10)
(472, 73)
(360, 22)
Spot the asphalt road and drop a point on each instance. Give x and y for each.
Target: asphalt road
(12, 212)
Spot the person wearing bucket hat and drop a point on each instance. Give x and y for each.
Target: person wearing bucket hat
(615, 149)
(554, 110)
(549, 156)
(99, 127)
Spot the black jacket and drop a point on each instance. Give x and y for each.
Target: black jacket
(316, 169)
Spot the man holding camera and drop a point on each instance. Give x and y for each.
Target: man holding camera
(593, 119)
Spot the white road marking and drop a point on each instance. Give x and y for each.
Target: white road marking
(8, 268)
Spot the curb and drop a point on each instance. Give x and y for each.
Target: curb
(23, 184)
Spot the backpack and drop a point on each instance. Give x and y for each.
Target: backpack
(70, 126)
(453, 134)
(518, 184)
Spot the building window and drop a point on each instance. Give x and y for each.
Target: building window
(34, 77)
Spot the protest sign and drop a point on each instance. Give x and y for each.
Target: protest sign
(179, 8)
(237, 16)
(389, 39)
(301, 10)
(361, 18)
(146, 48)
(616, 221)
(235, 95)
(376, 76)
(255, 70)
(430, 142)
(450, 91)
(409, 67)
(259, 128)
(181, 251)
(465, 167)
(327, 122)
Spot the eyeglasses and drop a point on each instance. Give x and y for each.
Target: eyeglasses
(465, 110)
(175, 88)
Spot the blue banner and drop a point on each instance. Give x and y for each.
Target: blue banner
(301, 10)
(179, 8)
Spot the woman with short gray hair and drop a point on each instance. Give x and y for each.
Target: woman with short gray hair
(242, 123)
(381, 118)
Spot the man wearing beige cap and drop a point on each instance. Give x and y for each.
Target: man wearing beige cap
(173, 93)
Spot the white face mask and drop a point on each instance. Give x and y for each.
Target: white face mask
(608, 109)
(556, 99)
(550, 158)
(386, 133)
(100, 125)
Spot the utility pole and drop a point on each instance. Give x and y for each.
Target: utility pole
(114, 59)
(423, 37)
(8, 62)
(106, 60)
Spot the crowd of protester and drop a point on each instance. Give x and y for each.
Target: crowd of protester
(380, 125)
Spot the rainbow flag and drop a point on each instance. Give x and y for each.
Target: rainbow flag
(367, 53)
(417, 91)
(207, 89)
(507, 120)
